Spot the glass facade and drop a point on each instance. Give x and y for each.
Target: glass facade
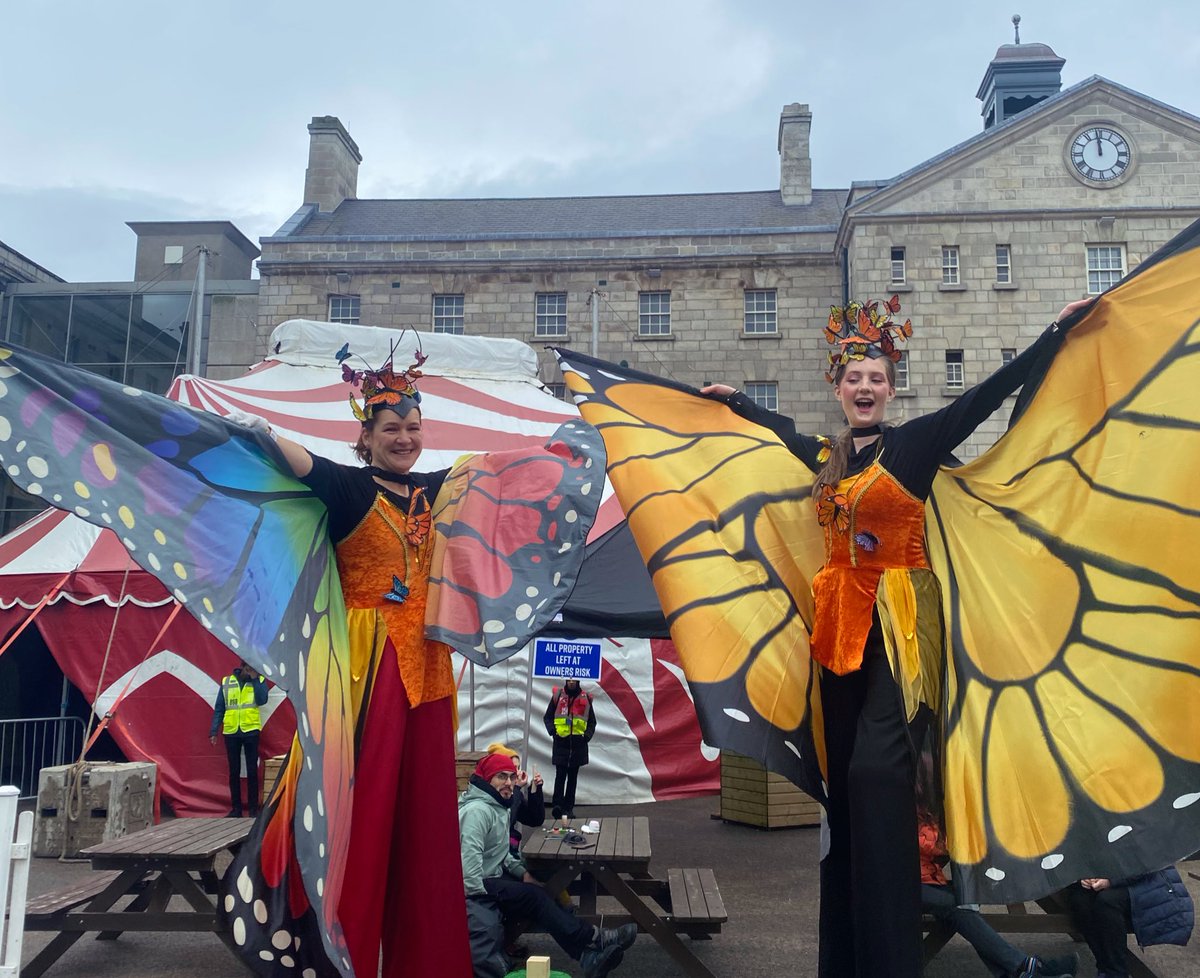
(139, 339)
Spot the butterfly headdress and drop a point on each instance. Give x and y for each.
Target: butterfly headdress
(383, 387)
(864, 329)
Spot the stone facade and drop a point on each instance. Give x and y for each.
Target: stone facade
(1011, 185)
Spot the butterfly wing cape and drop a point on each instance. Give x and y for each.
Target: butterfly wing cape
(510, 529)
(212, 510)
(719, 510)
(1069, 557)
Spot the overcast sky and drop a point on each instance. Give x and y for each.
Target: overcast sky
(140, 110)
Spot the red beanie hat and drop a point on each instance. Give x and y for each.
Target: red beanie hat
(491, 765)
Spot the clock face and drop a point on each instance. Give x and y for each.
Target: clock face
(1099, 153)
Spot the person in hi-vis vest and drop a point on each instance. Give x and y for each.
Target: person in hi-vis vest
(236, 715)
(570, 720)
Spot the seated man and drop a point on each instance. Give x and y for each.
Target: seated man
(937, 898)
(1156, 907)
(499, 886)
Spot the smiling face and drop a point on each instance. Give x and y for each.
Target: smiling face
(394, 442)
(864, 389)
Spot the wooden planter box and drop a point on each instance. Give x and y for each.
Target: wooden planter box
(464, 766)
(753, 796)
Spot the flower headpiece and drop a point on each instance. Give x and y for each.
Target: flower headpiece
(383, 387)
(865, 329)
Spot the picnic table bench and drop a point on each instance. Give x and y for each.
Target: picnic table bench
(173, 859)
(1016, 918)
(616, 863)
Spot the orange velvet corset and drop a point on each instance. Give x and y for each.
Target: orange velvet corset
(885, 530)
(374, 552)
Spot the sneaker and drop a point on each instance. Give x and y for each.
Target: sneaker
(623, 936)
(1063, 967)
(599, 961)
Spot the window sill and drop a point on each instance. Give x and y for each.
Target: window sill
(953, 391)
(960, 287)
(761, 336)
(906, 392)
(1005, 286)
(656, 338)
(549, 338)
(899, 287)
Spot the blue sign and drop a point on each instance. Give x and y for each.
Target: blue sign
(557, 658)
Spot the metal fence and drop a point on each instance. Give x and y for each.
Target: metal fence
(27, 746)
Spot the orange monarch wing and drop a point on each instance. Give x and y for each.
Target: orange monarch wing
(418, 520)
(1070, 566)
(721, 513)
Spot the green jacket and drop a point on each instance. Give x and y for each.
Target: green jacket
(483, 830)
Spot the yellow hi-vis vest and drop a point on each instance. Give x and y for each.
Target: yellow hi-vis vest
(571, 714)
(241, 712)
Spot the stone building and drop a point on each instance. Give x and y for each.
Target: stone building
(1060, 195)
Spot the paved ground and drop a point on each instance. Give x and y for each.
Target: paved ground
(768, 881)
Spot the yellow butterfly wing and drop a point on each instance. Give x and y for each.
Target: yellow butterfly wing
(1069, 556)
(721, 513)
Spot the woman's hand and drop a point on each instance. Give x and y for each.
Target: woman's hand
(1095, 885)
(1070, 307)
(721, 390)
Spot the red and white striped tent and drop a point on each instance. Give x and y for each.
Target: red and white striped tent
(478, 395)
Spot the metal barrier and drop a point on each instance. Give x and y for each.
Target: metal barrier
(27, 746)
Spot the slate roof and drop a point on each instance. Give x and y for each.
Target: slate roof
(757, 212)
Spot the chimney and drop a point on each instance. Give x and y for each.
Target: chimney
(333, 158)
(795, 165)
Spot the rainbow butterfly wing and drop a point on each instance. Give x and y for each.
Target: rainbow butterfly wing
(213, 512)
(1071, 583)
(509, 535)
(721, 513)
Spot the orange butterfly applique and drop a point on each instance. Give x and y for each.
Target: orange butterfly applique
(833, 508)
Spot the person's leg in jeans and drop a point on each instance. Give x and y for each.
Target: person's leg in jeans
(1001, 958)
(250, 751)
(233, 749)
(569, 793)
(528, 901)
(1104, 920)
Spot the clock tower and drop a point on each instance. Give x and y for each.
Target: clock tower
(1019, 76)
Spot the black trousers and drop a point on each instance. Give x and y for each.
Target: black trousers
(565, 778)
(235, 746)
(528, 901)
(1104, 920)
(870, 925)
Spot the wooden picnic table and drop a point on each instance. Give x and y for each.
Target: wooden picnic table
(616, 863)
(173, 858)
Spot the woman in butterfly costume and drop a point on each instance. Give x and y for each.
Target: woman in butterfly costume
(403, 890)
(877, 602)
(346, 587)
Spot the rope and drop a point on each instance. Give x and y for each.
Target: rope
(74, 784)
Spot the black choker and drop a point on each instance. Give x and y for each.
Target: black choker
(404, 479)
(866, 432)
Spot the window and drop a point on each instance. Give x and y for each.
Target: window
(1003, 264)
(654, 314)
(899, 272)
(448, 314)
(550, 314)
(902, 371)
(173, 255)
(1007, 355)
(558, 390)
(764, 393)
(954, 370)
(760, 312)
(344, 309)
(1105, 267)
(950, 265)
